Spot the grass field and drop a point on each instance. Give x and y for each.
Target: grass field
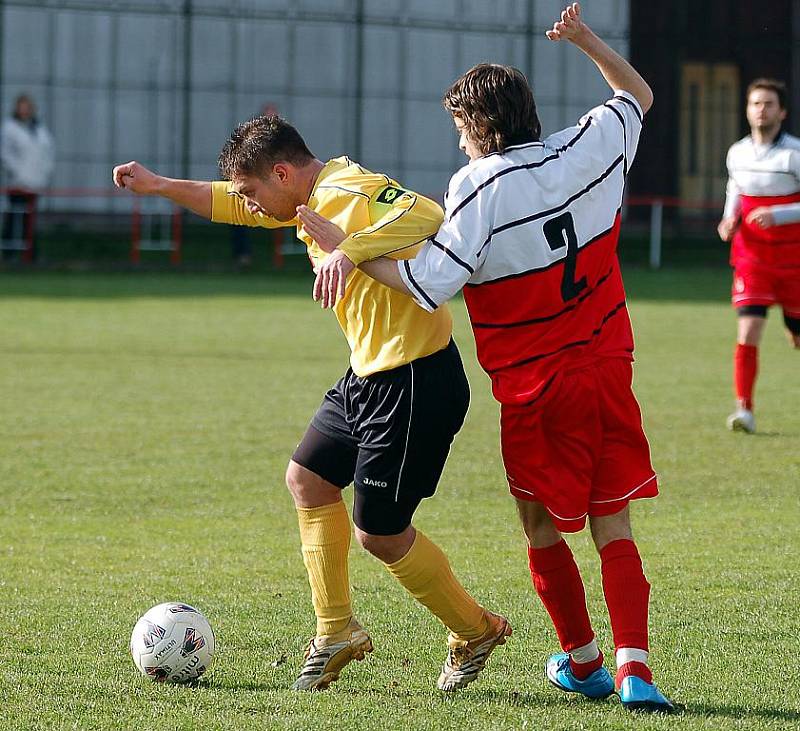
(145, 423)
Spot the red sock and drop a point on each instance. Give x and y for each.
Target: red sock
(745, 370)
(627, 593)
(558, 583)
(639, 669)
(582, 670)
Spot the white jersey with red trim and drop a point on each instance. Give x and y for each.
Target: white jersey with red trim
(762, 170)
(765, 176)
(531, 234)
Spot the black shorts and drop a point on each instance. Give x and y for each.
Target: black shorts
(389, 433)
(792, 323)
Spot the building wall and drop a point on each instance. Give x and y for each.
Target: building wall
(144, 79)
(753, 36)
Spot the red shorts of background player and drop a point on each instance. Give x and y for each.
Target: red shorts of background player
(754, 284)
(581, 451)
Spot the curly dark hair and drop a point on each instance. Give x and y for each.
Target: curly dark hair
(496, 105)
(256, 145)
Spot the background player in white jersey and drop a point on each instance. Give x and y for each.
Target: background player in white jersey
(531, 230)
(762, 222)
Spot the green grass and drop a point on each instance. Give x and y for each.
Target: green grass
(145, 423)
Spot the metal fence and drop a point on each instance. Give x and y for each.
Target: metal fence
(164, 81)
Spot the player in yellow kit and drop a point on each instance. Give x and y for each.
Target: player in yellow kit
(388, 423)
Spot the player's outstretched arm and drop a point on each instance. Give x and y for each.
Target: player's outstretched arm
(616, 70)
(192, 194)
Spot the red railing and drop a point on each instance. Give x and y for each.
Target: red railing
(138, 221)
(174, 244)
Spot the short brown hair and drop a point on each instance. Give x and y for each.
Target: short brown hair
(779, 87)
(256, 145)
(496, 105)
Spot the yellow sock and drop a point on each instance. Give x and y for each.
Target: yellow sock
(325, 538)
(425, 573)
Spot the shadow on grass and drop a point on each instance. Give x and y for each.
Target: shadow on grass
(161, 285)
(525, 699)
(149, 354)
(260, 687)
(500, 697)
(710, 285)
(560, 701)
(729, 710)
(762, 435)
(545, 700)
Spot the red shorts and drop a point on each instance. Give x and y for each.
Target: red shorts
(758, 285)
(582, 450)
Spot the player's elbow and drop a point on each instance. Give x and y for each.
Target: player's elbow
(645, 97)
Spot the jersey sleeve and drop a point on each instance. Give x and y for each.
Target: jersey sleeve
(617, 126)
(228, 206)
(401, 220)
(604, 139)
(786, 213)
(450, 257)
(732, 192)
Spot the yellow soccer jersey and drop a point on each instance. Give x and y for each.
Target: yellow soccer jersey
(384, 328)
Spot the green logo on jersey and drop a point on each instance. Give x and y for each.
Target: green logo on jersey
(389, 195)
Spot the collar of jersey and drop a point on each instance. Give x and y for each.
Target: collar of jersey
(333, 166)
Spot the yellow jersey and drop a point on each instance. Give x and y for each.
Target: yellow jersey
(384, 328)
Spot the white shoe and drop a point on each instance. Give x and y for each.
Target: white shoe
(742, 420)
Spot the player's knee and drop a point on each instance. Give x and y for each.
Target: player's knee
(752, 319)
(608, 528)
(388, 549)
(793, 329)
(537, 524)
(308, 489)
(750, 332)
(294, 479)
(371, 543)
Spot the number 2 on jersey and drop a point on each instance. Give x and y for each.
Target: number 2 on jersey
(560, 232)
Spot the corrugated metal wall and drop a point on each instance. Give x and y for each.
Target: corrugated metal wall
(164, 81)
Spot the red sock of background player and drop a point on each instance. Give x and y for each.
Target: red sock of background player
(627, 596)
(558, 583)
(745, 370)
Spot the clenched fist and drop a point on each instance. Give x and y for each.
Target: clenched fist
(137, 178)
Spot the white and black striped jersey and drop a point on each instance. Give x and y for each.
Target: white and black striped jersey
(531, 234)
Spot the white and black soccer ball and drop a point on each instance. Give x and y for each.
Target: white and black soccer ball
(173, 643)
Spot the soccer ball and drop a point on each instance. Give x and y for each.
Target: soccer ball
(173, 643)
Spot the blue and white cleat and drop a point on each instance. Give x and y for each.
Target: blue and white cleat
(638, 695)
(598, 685)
